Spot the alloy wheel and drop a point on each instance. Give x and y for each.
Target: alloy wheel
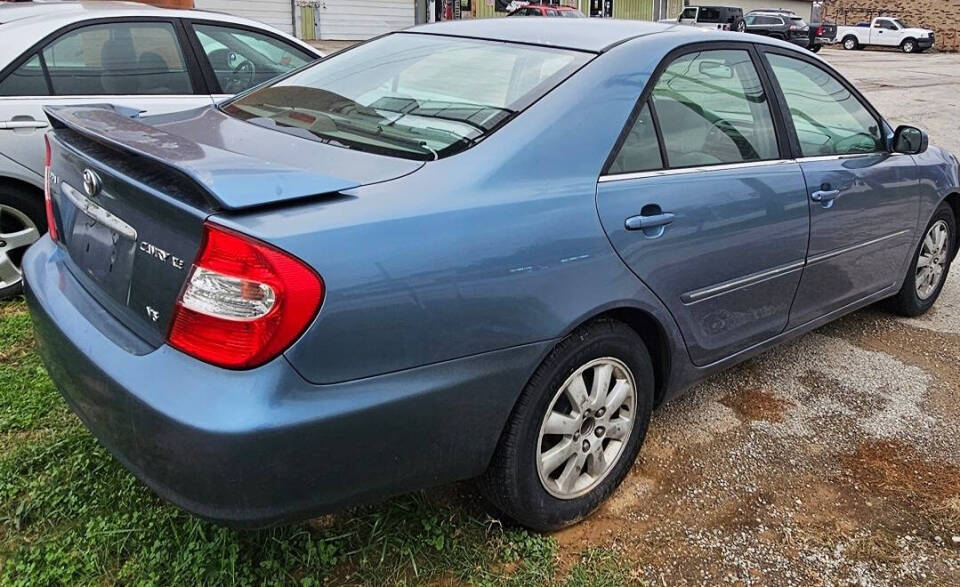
(932, 263)
(850, 44)
(586, 428)
(908, 47)
(17, 232)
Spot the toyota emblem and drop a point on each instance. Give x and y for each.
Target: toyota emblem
(91, 182)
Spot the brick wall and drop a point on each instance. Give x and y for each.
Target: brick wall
(940, 16)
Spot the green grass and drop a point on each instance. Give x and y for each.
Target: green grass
(70, 514)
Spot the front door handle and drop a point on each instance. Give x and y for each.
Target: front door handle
(15, 124)
(643, 222)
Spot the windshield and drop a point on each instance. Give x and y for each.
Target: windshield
(901, 22)
(409, 95)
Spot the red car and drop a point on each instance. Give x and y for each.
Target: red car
(547, 10)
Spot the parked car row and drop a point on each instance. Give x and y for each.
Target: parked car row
(789, 26)
(151, 60)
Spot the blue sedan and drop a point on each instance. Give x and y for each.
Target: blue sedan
(482, 249)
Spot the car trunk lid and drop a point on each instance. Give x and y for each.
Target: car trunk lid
(131, 199)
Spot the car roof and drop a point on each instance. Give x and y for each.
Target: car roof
(592, 34)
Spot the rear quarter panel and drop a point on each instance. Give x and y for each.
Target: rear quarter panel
(495, 247)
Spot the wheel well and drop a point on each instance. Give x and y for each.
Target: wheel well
(854, 37)
(16, 183)
(954, 201)
(654, 336)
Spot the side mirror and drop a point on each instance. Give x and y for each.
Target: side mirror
(715, 70)
(910, 140)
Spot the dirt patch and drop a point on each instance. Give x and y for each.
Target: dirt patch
(892, 468)
(756, 404)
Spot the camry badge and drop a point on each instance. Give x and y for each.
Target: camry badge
(91, 182)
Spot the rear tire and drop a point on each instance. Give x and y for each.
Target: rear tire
(851, 43)
(23, 220)
(559, 458)
(908, 46)
(930, 266)
(816, 48)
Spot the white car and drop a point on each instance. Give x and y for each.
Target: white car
(149, 59)
(886, 32)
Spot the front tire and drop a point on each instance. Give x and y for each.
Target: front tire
(930, 267)
(908, 46)
(22, 221)
(576, 429)
(851, 43)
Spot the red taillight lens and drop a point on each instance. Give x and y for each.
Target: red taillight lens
(47, 196)
(820, 31)
(244, 302)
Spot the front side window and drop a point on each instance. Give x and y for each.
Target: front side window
(134, 58)
(712, 109)
(26, 80)
(828, 118)
(241, 59)
(409, 95)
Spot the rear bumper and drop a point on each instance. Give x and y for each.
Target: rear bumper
(264, 446)
(801, 41)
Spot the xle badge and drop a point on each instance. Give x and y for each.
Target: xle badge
(161, 255)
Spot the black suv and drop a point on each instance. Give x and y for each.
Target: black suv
(779, 24)
(721, 17)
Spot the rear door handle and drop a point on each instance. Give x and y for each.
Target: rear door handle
(14, 124)
(825, 196)
(642, 222)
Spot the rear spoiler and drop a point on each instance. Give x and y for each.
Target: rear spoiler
(232, 180)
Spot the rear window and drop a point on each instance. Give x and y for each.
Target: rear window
(409, 95)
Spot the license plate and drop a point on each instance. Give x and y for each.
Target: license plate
(99, 242)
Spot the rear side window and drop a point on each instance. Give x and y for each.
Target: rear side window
(712, 109)
(135, 58)
(829, 120)
(708, 15)
(640, 150)
(26, 80)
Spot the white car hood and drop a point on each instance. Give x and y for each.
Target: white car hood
(918, 32)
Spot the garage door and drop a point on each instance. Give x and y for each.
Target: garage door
(276, 13)
(355, 20)
(802, 8)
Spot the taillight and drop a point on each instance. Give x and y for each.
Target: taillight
(47, 196)
(244, 302)
(819, 31)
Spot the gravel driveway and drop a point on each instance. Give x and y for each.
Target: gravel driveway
(831, 460)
